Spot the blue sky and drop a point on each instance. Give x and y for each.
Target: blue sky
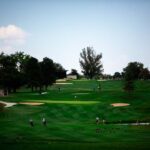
(60, 29)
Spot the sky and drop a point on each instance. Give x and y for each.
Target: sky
(60, 29)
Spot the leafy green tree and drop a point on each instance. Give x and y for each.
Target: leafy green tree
(107, 76)
(60, 71)
(20, 60)
(10, 78)
(117, 75)
(129, 85)
(90, 63)
(33, 73)
(48, 71)
(144, 74)
(132, 71)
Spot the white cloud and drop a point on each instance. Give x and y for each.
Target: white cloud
(12, 32)
(11, 37)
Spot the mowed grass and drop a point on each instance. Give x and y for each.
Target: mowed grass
(71, 120)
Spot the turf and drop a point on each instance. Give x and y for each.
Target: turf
(71, 121)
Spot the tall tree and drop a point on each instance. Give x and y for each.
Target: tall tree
(19, 69)
(90, 63)
(132, 71)
(33, 73)
(117, 75)
(144, 74)
(48, 71)
(20, 60)
(128, 86)
(9, 75)
(60, 71)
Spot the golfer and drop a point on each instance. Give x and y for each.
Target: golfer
(31, 122)
(97, 120)
(44, 121)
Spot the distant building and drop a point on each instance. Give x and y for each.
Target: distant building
(2, 93)
(70, 77)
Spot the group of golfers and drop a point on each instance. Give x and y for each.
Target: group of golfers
(44, 122)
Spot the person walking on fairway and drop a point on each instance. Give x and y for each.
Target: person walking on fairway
(59, 89)
(97, 120)
(31, 122)
(44, 121)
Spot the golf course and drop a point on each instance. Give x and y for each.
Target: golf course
(70, 111)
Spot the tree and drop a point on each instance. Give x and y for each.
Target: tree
(129, 86)
(144, 74)
(90, 63)
(132, 71)
(107, 76)
(117, 75)
(48, 71)
(122, 74)
(10, 78)
(33, 73)
(19, 69)
(20, 60)
(60, 71)
(74, 72)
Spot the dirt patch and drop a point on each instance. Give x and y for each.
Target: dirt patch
(119, 104)
(31, 103)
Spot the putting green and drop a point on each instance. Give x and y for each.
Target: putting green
(73, 102)
(80, 93)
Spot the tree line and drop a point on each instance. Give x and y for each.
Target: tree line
(92, 68)
(20, 69)
(134, 70)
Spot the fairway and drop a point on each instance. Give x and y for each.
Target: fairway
(71, 120)
(74, 74)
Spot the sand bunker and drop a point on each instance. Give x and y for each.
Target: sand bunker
(120, 104)
(44, 93)
(2, 105)
(8, 104)
(63, 83)
(31, 103)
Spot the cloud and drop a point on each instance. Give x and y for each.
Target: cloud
(12, 32)
(11, 37)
